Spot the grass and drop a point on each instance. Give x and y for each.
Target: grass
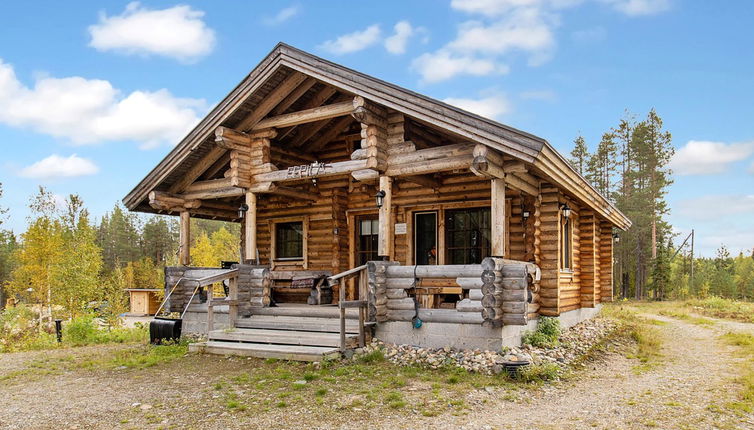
(646, 336)
(546, 335)
(745, 344)
(718, 307)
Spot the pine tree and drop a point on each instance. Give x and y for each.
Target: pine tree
(579, 155)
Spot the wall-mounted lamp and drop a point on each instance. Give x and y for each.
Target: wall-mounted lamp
(380, 198)
(616, 238)
(242, 210)
(525, 215)
(566, 210)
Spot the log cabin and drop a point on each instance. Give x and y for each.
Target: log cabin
(370, 210)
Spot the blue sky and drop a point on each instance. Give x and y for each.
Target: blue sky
(94, 94)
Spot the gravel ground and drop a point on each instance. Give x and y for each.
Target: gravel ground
(680, 393)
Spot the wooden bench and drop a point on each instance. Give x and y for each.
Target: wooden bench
(320, 293)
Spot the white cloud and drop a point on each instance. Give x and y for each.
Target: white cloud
(587, 35)
(527, 27)
(396, 44)
(56, 166)
(492, 107)
(283, 15)
(353, 42)
(640, 7)
(706, 158)
(443, 65)
(178, 32)
(90, 111)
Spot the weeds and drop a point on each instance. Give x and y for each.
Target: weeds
(546, 335)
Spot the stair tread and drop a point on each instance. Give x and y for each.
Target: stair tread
(273, 347)
(287, 337)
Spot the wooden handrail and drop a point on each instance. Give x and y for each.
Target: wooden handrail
(213, 279)
(348, 273)
(362, 304)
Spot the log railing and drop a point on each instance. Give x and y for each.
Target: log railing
(362, 304)
(497, 291)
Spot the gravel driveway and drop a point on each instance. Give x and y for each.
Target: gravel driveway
(687, 391)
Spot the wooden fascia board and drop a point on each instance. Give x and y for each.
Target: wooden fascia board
(561, 173)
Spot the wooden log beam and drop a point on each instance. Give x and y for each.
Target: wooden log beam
(423, 167)
(250, 228)
(335, 128)
(318, 99)
(217, 193)
(332, 169)
(184, 254)
(271, 100)
(209, 185)
(197, 170)
(294, 96)
(385, 237)
(497, 216)
(311, 115)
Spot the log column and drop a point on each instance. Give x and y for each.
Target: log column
(498, 217)
(385, 238)
(250, 228)
(184, 255)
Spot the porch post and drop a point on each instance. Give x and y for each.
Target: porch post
(498, 217)
(385, 238)
(184, 255)
(250, 226)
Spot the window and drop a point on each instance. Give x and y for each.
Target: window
(425, 238)
(467, 235)
(289, 240)
(366, 239)
(566, 244)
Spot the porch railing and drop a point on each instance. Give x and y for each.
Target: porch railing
(362, 304)
(232, 300)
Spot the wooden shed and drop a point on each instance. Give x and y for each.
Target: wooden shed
(366, 207)
(144, 301)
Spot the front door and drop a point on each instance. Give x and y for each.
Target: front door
(425, 237)
(367, 230)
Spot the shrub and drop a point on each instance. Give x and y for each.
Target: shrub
(546, 335)
(19, 331)
(81, 331)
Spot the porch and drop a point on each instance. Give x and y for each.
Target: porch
(496, 294)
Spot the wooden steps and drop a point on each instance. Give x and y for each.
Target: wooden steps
(281, 352)
(285, 337)
(282, 337)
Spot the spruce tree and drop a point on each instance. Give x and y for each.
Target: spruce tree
(580, 155)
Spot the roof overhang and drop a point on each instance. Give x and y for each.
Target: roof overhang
(465, 125)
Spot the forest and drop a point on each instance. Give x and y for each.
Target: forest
(71, 263)
(630, 167)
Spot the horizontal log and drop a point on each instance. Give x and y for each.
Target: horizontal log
(311, 115)
(467, 305)
(400, 304)
(515, 319)
(432, 271)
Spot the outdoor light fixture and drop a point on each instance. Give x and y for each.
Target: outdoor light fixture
(380, 197)
(242, 210)
(566, 210)
(616, 238)
(525, 214)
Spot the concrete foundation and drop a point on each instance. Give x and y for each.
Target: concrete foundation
(195, 322)
(469, 336)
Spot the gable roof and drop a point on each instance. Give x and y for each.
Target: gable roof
(284, 60)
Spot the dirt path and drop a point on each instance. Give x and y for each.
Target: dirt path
(688, 390)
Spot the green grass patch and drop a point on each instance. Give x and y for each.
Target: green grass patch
(718, 307)
(149, 355)
(647, 337)
(745, 344)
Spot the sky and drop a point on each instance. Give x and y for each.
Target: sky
(94, 94)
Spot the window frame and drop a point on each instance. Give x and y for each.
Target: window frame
(565, 259)
(357, 235)
(297, 261)
(447, 232)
